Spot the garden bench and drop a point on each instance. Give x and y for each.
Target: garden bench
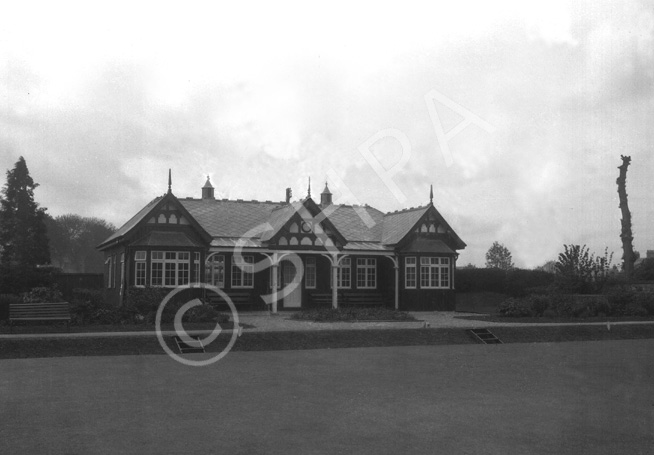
(240, 299)
(365, 299)
(57, 311)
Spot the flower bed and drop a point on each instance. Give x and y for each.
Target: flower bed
(352, 315)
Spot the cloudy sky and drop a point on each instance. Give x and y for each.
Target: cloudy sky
(516, 114)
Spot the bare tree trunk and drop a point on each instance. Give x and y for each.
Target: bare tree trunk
(628, 256)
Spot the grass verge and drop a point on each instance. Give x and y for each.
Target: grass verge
(332, 339)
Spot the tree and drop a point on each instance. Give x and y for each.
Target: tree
(73, 239)
(23, 235)
(579, 271)
(626, 235)
(499, 257)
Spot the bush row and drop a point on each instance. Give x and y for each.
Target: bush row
(614, 303)
(89, 307)
(515, 282)
(352, 314)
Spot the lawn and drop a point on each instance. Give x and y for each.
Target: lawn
(541, 398)
(11, 348)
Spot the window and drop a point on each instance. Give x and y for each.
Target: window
(214, 272)
(242, 272)
(139, 268)
(410, 273)
(366, 273)
(196, 267)
(109, 271)
(434, 272)
(170, 268)
(122, 270)
(344, 274)
(156, 269)
(310, 273)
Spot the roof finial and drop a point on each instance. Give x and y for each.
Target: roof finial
(309, 189)
(431, 194)
(170, 181)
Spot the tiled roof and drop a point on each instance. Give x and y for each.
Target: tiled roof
(362, 227)
(157, 238)
(125, 228)
(357, 223)
(398, 224)
(224, 218)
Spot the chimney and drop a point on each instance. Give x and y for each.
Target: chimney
(207, 190)
(289, 195)
(325, 197)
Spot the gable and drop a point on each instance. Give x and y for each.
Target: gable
(424, 222)
(302, 225)
(164, 213)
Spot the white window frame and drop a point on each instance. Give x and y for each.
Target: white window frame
(310, 275)
(344, 265)
(214, 271)
(175, 268)
(243, 273)
(140, 268)
(366, 273)
(434, 272)
(410, 267)
(196, 267)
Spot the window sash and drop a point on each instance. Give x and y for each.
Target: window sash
(310, 273)
(215, 271)
(410, 278)
(366, 273)
(169, 268)
(243, 272)
(434, 273)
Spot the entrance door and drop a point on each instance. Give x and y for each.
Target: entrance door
(294, 299)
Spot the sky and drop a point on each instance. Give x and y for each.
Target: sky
(516, 112)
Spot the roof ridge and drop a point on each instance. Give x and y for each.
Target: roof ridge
(420, 207)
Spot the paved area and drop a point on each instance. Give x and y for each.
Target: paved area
(266, 322)
(544, 398)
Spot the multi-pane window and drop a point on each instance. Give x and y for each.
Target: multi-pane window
(344, 273)
(156, 268)
(366, 273)
(410, 272)
(310, 273)
(170, 268)
(214, 272)
(196, 267)
(139, 268)
(434, 272)
(242, 272)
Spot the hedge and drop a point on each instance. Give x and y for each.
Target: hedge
(515, 282)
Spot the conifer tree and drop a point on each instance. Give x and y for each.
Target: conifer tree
(23, 234)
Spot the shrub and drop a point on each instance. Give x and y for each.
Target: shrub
(539, 304)
(204, 313)
(352, 314)
(515, 308)
(146, 300)
(43, 295)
